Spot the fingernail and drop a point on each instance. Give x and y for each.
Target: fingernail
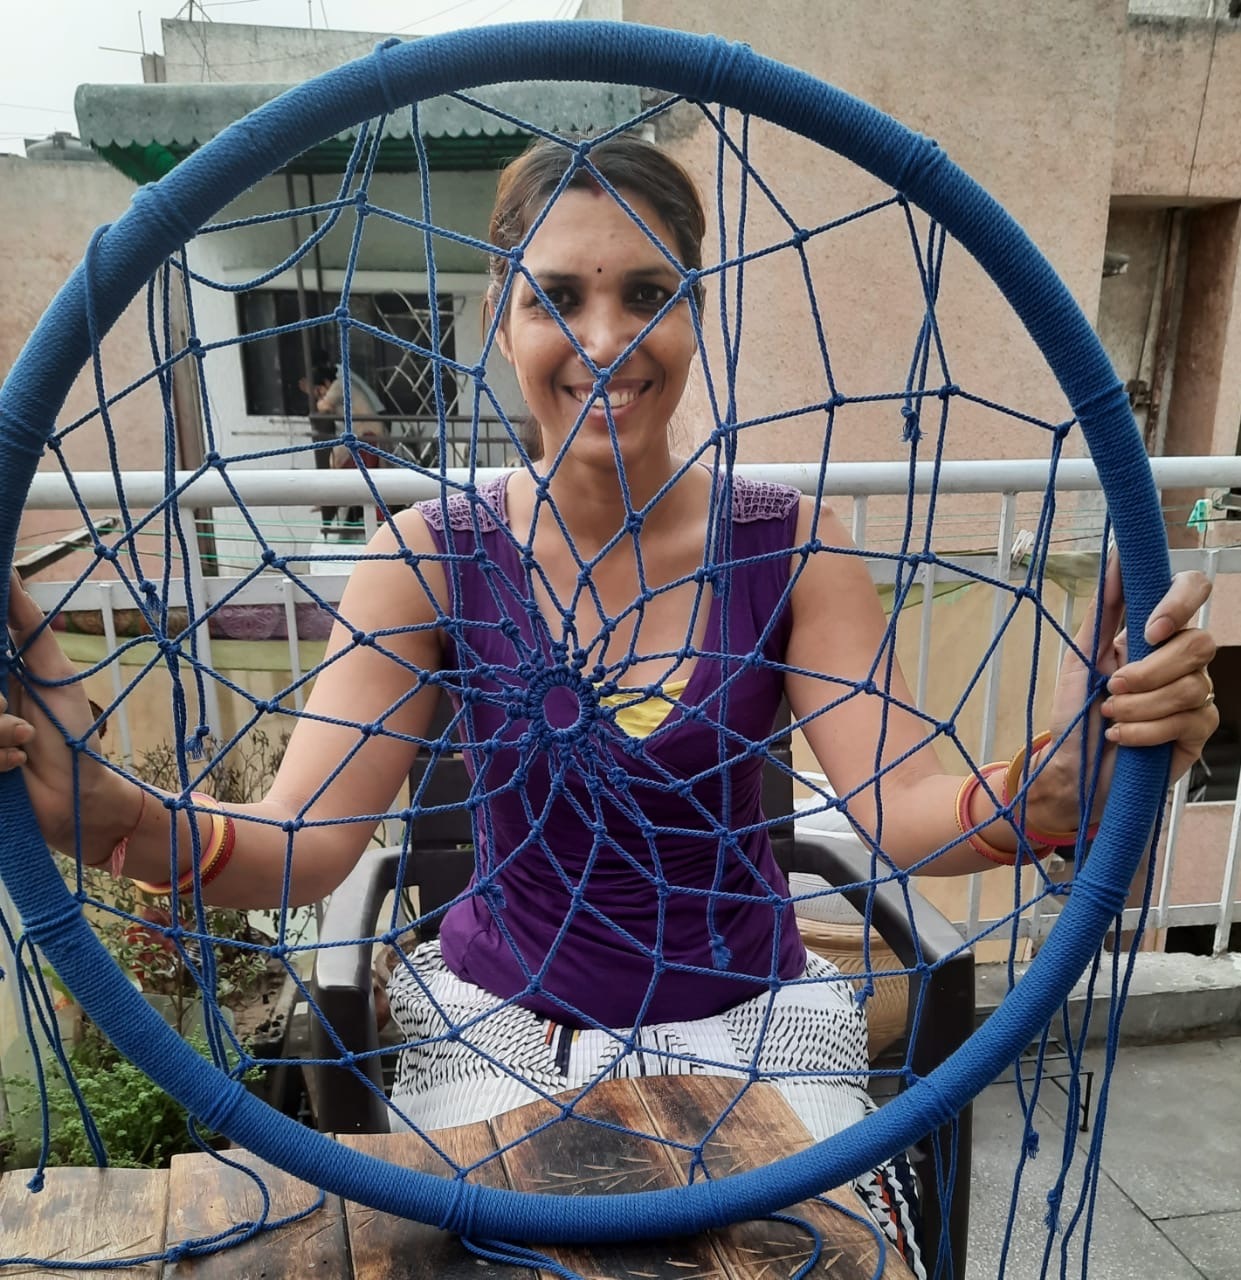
(1108, 708)
(1117, 685)
(1159, 629)
(1112, 734)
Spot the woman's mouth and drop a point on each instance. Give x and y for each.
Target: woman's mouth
(614, 397)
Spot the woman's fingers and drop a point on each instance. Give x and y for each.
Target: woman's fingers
(40, 652)
(1188, 653)
(1168, 695)
(1190, 692)
(15, 733)
(1105, 614)
(1189, 730)
(1188, 593)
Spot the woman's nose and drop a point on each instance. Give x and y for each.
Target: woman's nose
(604, 332)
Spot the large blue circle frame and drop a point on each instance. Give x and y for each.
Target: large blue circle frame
(167, 214)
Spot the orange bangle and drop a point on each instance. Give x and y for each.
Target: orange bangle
(1016, 766)
(210, 862)
(1012, 781)
(966, 824)
(220, 861)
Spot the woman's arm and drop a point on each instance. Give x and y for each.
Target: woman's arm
(838, 628)
(366, 683)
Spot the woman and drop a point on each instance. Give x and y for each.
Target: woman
(625, 873)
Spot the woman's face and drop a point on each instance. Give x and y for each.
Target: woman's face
(607, 282)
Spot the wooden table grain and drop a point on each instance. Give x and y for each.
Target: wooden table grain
(623, 1136)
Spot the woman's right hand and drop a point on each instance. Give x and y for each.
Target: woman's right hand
(32, 742)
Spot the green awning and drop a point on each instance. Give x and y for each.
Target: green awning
(144, 130)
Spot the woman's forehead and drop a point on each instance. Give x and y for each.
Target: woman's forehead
(587, 223)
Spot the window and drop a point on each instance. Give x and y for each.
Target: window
(400, 382)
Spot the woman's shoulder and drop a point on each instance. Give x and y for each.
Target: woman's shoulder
(480, 507)
(755, 500)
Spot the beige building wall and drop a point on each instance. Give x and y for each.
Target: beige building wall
(1017, 98)
(48, 212)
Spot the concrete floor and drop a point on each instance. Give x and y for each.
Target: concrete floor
(1168, 1201)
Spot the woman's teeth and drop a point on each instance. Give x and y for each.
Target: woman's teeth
(617, 399)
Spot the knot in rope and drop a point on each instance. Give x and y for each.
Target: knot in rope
(1052, 1220)
(462, 1205)
(1030, 1143)
(492, 892)
(1111, 897)
(36, 1182)
(911, 433)
(390, 101)
(229, 1096)
(46, 928)
(923, 156)
(723, 55)
(156, 204)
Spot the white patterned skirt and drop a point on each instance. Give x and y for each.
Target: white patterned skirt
(468, 1056)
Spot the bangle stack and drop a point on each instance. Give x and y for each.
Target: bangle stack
(215, 855)
(1041, 842)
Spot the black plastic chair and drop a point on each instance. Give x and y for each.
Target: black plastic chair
(440, 861)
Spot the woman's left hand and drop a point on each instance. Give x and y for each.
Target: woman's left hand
(1166, 697)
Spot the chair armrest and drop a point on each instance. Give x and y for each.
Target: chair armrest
(844, 862)
(343, 992)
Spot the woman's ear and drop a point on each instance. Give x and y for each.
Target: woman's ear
(489, 313)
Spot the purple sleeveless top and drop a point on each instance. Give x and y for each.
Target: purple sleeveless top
(653, 850)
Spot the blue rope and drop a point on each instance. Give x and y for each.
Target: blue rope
(572, 646)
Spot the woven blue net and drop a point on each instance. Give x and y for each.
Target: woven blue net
(532, 790)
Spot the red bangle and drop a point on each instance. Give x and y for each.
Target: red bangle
(965, 822)
(209, 865)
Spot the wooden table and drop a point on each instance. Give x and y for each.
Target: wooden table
(92, 1214)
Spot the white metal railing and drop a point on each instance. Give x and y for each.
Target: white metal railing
(859, 482)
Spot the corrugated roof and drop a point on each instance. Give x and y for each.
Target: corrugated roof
(145, 129)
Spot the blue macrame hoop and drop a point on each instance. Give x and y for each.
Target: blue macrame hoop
(164, 216)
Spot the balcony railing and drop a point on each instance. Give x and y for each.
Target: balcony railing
(992, 491)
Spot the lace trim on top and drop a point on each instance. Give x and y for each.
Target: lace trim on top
(753, 500)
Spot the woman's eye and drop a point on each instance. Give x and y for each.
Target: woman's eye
(652, 296)
(560, 300)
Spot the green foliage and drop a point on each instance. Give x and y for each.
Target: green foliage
(134, 926)
(141, 1126)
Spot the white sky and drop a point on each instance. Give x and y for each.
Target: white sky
(52, 46)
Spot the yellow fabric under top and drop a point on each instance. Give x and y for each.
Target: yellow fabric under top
(639, 715)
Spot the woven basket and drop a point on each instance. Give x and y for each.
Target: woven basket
(831, 928)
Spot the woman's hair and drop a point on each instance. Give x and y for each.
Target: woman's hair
(630, 165)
